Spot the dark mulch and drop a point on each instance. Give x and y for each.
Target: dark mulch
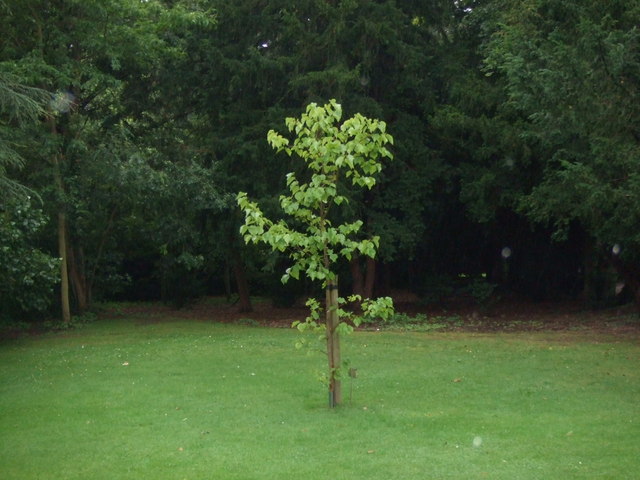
(514, 315)
(460, 314)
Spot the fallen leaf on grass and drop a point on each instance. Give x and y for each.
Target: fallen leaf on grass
(457, 380)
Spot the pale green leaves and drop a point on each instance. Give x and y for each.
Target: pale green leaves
(255, 223)
(378, 310)
(276, 141)
(352, 150)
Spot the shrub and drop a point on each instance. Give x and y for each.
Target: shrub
(483, 291)
(27, 274)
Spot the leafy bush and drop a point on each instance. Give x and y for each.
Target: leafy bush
(483, 291)
(435, 289)
(401, 319)
(27, 275)
(422, 322)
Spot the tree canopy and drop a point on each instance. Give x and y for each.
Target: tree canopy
(135, 124)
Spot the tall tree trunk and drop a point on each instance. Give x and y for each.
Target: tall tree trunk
(363, 283)
(333, 343)
(64, 272)
(357, 279)
(79, 284)
(62, 230)
(241, 282)
(589, 268)
(630, 276)
(370, 277)
(62, 246)
(227, 281)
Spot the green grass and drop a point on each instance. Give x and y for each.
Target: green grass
(194, 400)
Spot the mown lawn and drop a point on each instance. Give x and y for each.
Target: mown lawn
(182, 399)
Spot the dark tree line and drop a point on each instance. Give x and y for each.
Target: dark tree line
(127, 127)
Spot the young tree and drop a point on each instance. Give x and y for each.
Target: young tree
(332, 152)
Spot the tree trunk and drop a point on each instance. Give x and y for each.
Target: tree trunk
(363, 283)
(62, 231)
(241, 282)
(370, 278)
(630, 276)
(62, 246)
(227, 281)
(64, 272)
(79, 284)
(357, 279)
(333, 343)
(588, 268)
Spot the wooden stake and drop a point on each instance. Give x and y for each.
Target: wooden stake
(333, 343)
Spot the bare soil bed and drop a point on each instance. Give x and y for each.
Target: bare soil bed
(459, 314)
